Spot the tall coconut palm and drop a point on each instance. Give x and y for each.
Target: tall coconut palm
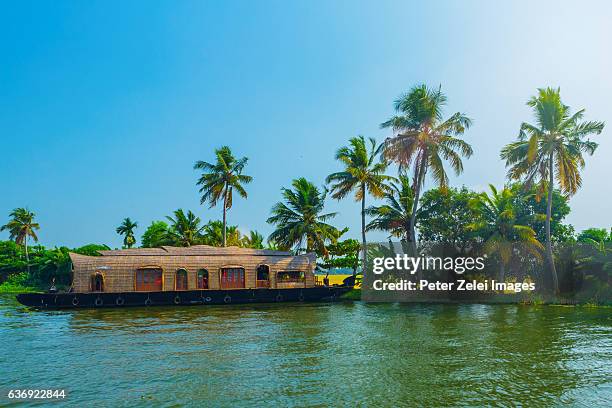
(219, 179)
(363, 173)
(423, 139)
(299, 219)
(21, 227)
(185, 229)
(394, 216)
(550, 152)
(499, 228)
(127, 228)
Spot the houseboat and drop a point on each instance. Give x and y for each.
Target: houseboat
(193, 275)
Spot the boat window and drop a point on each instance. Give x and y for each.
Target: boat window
(149, 280)
(290, 276)
(97, 283)
(202, 279)
(181, 280)
(263, 276)
(232, 278)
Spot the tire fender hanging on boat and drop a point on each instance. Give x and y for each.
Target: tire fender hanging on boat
(227, 299)
(98, 301)
(120, 301)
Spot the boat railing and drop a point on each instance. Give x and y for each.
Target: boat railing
(262, 284)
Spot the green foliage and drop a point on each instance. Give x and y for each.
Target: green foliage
(531, 210)
(126, 229)
(212, 234)
(156, 235)
(21, 226)
(424, 140)
(253, 240)
(185, 229)
(45, 265)
(394, 216)
(220, 179)
(342, 254)
(18, 283)
(445, 216)
(300, 220)
(598, 235)
(91, 249)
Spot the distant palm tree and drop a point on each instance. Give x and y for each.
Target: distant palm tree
(253, 240)
(212, 234)
(218, 180)
(552, 147)
(127, 228)
(423, 139)
(394, 216)
(21, 227)
(498, 226)
(299, 219)
(185, 229)
(363, 173)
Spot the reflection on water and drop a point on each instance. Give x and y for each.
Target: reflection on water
(311, 355)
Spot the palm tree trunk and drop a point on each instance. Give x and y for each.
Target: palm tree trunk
(363, 229)
(25, 242)
(502, 272)
(415, 204)
(225, 218)
(549, 253)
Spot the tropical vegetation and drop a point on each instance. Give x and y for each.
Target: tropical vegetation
(126, 229)
(528, 212)
(300, 221)
(220, 179)
(363, 173)
(423, 139)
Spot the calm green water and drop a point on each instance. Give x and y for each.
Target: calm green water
(342, 354)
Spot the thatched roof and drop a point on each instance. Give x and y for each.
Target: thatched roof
(193, 250)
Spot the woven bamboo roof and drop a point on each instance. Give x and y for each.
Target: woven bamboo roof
(194, 250)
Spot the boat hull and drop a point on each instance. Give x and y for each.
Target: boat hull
(179, 298)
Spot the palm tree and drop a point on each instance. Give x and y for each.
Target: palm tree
(21, 226)
(218, 180)
(499, 229)
(553, 146)
(299, 219)
(253, 240)
(423, 139)
(212, 234)
(185, 229)
(362, 174)
(127, 228)
(394, 216)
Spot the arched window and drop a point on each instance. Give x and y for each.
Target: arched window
(181, 280)
(202, 279)
(263, 276)
(97, 282)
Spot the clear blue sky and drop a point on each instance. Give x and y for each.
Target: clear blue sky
(105, 106)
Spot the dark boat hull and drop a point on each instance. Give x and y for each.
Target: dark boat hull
(179, 298)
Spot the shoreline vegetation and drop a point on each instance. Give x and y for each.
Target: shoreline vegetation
(413, 203)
